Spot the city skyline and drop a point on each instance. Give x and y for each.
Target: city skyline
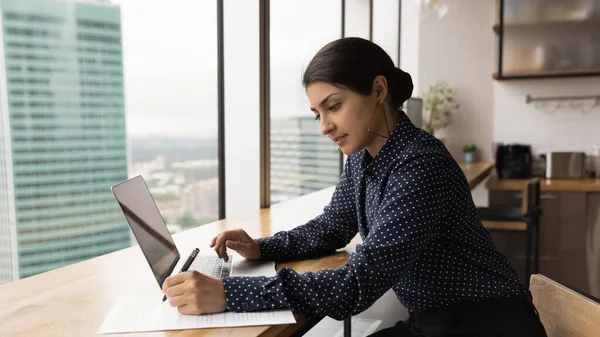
(66, 142)
(99, 84)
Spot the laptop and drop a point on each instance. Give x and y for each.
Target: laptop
(153, 237)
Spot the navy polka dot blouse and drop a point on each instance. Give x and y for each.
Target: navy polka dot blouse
(421, 236)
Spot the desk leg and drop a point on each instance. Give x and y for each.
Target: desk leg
(536, 244)
(348, 327)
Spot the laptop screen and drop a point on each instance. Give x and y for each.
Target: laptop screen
(148, 226)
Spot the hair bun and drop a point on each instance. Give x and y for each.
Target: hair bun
(405, 84)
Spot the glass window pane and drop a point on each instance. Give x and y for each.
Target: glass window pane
(386, 26)
(97, 92)
(302, 160)
(357, 18)
(171, 100)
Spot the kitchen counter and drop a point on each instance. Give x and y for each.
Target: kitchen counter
(569, 244)
(476, 172)
(572, 185)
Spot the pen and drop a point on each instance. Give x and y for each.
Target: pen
(186, 265)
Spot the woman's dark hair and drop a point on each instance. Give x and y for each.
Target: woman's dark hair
(354, 63)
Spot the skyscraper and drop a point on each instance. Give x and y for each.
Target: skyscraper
(63, 137)
(302, 159)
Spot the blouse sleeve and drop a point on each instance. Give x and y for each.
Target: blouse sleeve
(412, 215)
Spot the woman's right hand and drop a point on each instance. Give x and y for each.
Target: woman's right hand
(238, 240)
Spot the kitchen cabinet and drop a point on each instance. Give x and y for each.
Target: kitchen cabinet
(563, 240)
(547, 38)
(592, 243)
(550, 228)
(569, 237)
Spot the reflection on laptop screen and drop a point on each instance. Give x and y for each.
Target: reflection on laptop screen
(148, 226)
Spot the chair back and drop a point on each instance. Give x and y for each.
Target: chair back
(564, 312)
(531, 196)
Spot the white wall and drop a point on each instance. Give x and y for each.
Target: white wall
(546, 127)
(459, 49)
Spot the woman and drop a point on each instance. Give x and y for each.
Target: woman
(410, 202)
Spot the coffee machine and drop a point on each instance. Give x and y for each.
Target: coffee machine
(513, 161)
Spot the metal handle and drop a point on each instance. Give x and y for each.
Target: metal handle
(542, 196)
(540, 258)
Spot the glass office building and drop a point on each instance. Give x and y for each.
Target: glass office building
(302, 159)
(63, 143)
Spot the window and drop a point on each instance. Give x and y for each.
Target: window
(302, 160)
(98, 92)
(386, 21)
(171, 101)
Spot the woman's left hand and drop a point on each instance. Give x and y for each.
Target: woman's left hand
(194, 293)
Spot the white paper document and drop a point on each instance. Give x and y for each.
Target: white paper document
(243, 267)
(146, 312)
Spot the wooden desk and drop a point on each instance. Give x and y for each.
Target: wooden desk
(74, 300)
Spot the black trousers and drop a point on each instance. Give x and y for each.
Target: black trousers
(508, 317)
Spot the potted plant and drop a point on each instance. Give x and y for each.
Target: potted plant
(438, 107)
(469, 151)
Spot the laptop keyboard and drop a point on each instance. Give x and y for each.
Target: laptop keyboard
(211, 265)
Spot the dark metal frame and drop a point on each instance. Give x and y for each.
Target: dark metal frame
(399, 31)
(265, 104)
(500, 38)
(370, 20)
(347, 321)
(221, 108)
(343, 33)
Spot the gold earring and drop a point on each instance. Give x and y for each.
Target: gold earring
(386, 123)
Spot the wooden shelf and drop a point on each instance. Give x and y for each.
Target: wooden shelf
(505, 225)
(548, 26)
(547, 74)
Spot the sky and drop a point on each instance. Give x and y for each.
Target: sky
(169, 68)
(170, 61)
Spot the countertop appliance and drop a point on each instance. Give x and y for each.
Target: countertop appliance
(565, 165)
(513, 161)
